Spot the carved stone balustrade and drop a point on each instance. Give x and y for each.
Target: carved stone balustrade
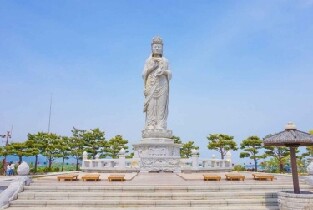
(122, 164)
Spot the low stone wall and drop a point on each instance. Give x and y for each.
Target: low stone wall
(290, 201)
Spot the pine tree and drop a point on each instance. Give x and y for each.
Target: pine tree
(115, 144)
(186, 150)
(93, 141)
(221, 143)
(251, 147)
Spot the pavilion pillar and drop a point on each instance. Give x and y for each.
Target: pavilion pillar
(295, 178)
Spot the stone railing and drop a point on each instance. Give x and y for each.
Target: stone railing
(110, 164)
(11, 193)
(193, 163)
(205, 164)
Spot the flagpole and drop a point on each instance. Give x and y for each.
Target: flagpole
(50, 114)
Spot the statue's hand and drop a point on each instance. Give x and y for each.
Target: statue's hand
(156, 64)
(159, 73)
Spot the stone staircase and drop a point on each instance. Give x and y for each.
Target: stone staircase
(196, 195)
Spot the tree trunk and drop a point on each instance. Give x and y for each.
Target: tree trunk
(222, 153)
(4, 166)
(94, 153)
(255, 165)
(36, 163)
(20, 159)
(50, 162)
(77, 164)
(62, 163)
(281, 167)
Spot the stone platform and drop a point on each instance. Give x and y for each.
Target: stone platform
(157, 152)
(154, 191)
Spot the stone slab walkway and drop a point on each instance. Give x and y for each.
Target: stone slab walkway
(167, 179)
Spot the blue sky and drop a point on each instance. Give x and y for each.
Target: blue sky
(239, 67)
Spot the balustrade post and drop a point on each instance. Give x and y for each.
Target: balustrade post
(195, 159)
(228, 159)
(121, 159)
(85, 160)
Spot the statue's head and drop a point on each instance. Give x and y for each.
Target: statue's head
(157, 46)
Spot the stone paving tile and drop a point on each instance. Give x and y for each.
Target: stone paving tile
(144, 208)
(167, 179)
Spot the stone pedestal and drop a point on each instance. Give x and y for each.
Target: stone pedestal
(23, 169)
(291, 201)
(158, 153)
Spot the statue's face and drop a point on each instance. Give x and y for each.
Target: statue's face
(157, 49)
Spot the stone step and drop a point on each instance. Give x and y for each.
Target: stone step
(142, 196)
(152, 192)
(198, 180)
(208, 183)
(205, 188)
(251, 207)
(147, 203)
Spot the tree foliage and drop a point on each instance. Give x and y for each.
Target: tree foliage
(93, 141)
(271, 165)
(35, 143)
(186, 149)
(115, 144)
(309, 149)
(76, 143)
(279, 154)
(221, 143)
(19, 149)
(52, 147)
(176, 139)
(308, 153)
(3, 151)
(65, 149)
(251, 147)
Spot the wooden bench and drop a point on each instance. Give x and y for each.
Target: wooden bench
(116, 177)
(208, 177)
(263, 177)
(232, 177)
(91, 177)
(71, 177)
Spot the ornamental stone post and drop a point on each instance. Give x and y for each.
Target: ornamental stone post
(195, 159)
(121, 159)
